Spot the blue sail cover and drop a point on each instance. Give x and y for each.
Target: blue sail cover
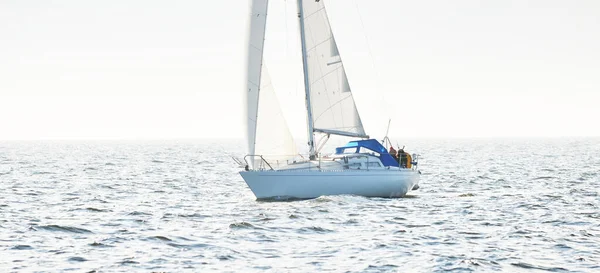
(373, 145)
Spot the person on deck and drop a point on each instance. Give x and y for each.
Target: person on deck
(393, 153)
(403, 156)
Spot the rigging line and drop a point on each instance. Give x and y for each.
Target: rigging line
(377, 89)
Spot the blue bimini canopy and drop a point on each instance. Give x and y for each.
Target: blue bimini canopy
(373, 145)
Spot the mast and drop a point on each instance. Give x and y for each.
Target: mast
(309, 117)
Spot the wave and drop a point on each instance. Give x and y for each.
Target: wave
(242, 225)
(316, 229)
(160, 238)
(21, 247)
(77, 259)
(531, 266)
(60, 228)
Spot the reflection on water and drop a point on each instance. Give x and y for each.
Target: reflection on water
(483, 205)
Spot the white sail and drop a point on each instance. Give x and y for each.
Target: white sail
(267, 133)
(273, 138)
(333, 107)
(258, 21)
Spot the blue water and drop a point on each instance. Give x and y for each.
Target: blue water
(509, 205)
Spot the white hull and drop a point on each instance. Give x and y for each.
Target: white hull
(312, 184)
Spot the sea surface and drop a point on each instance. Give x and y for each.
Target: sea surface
(485, 205)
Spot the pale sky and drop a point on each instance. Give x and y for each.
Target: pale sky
(176, 69)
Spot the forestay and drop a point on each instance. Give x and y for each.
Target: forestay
(333, 107)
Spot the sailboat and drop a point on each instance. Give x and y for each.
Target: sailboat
(273, 167)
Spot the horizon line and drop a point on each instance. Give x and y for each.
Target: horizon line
(241, 138)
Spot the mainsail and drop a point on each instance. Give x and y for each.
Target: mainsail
(267, 132)
(331, 101)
